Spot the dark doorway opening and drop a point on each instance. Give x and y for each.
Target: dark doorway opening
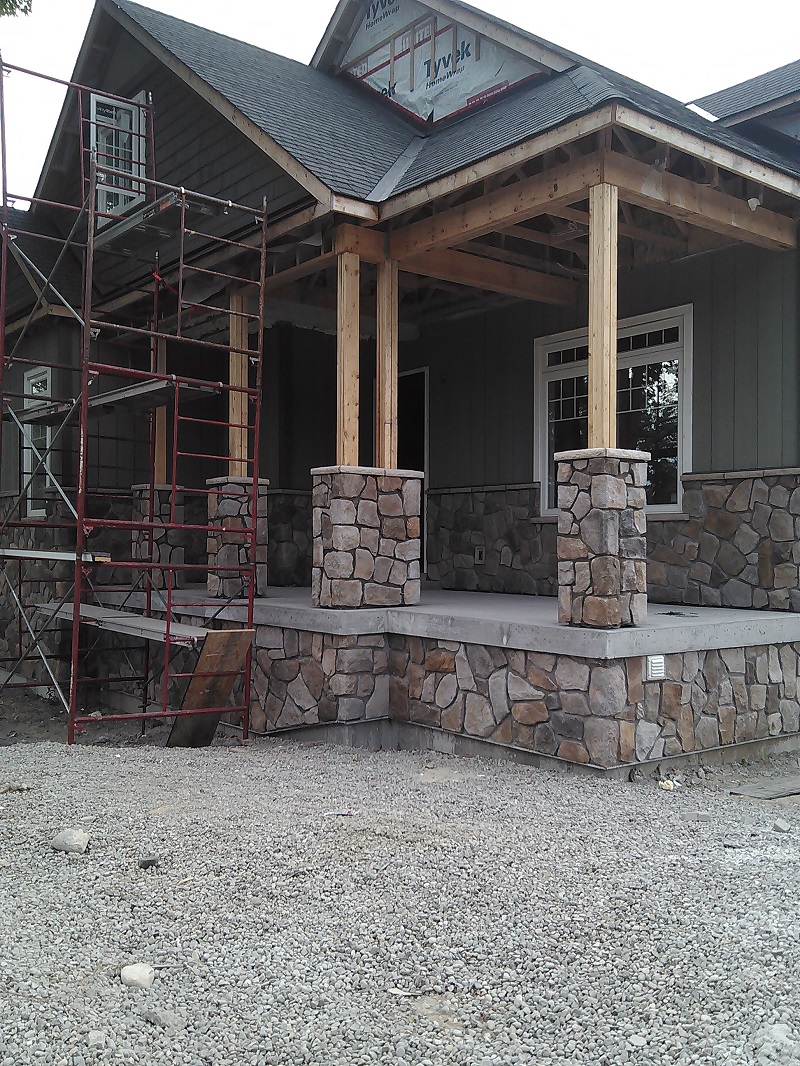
(412, 432)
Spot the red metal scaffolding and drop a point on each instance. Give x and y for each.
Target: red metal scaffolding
(152, 281)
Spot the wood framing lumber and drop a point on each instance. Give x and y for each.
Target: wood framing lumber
(348, 335)
(223, 650)
(498, 164)
(694, 144)
(707, 208)
(496, 210)
(369, 244)
(636, 233)
(478, 272)
(302, 270)
(387, 364)
(238, 402)
(603, 237)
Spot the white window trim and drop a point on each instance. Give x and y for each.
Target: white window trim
(29, 460)
(137, 144)
(683, 316)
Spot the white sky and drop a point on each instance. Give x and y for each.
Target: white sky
(686, 48)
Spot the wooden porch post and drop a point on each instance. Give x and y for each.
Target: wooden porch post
(347, 358)
(603, 235)
(387, 365)
(238, 438)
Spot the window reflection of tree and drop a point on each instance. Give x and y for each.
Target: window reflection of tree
(647, 419)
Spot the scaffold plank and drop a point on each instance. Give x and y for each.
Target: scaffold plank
(52, 555)
(132, 625)
(143, 396)
(150, 224)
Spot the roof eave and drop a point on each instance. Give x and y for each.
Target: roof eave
(608, 114)
(638, 121)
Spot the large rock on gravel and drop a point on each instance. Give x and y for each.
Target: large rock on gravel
(72, 841)
(139, 975)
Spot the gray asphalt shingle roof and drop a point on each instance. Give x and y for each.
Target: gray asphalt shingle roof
(543, 105)
(774, 85)
(350, 138)
(344, 135)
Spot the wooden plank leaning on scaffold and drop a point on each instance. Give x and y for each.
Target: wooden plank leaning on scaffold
(223, 650)
(132, 625)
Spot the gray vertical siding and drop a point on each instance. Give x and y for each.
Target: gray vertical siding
(745, 381)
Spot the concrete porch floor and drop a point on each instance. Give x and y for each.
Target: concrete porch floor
(524, 622)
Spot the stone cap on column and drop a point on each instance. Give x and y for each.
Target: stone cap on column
(602, 453)
(374, 471)
(235, 481)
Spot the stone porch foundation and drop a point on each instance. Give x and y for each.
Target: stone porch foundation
(602, 538)
(230, 507)
(518, 680)
(366, 528)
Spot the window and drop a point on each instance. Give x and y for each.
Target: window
(654, 372)
(37, 391)
(118, 135)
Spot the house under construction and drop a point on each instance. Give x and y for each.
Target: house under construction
(458, 402)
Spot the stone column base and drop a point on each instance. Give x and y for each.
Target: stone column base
(230, 508)
(602, 538)
(168, 544)
(366, 527)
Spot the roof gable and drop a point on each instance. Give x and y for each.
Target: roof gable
(434, 59)
(344, 138)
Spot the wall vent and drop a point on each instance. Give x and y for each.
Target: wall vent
(656, 667)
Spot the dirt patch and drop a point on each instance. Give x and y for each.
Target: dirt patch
(29, 719)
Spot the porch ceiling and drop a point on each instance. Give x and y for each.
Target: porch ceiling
(521, 231)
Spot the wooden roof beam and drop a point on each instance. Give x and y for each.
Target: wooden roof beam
(499, 209)
(478, 273)
(636, 233)
(678, 197)
(695, 145)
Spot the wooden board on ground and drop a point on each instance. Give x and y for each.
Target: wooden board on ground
(223, 649)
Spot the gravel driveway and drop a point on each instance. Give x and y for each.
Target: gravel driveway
(314, 905)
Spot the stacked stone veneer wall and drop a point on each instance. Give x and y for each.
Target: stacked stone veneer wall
(304, 678)
(36, 581)
(602, 569)
(519, 552)
(366, 526)
(581, 710)
(230, 508)
(168, 544)
(290, 537)
(737, 548)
